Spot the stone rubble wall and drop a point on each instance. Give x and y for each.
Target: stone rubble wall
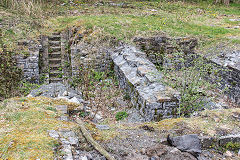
(157, 47)
(29, 63)
(229, 74)
(43, 60)
(66, 56)
(141, 80)
(88, 55)
(35, 64)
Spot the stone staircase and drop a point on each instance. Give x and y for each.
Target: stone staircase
(55, 58)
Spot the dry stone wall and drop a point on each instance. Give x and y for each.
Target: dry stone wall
(29, 62)
(140, 78)
(46, 57)
(228, 76)
(88, 55)
(157, 47)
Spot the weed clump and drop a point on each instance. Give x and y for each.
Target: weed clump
(121, 115)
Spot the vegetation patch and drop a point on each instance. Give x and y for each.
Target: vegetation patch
(121, 115)
(24, 124)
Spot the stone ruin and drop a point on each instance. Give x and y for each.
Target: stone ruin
(57, 58)
(142, 81)
(227, 62)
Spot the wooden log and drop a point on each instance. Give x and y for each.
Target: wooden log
(89, 138)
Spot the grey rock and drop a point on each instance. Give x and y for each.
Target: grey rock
(207, 142)
(102, 158)
(163, 152)
(67, 150)
(90, 157)
(73, 140)
(84, 158)
(65, 93)
(57, 90)
(187, 143)
(64, 141)
(63, 118)
(205, 155)
(98, 117)
(141, 80)
(53, 134)
(234, 20)
(74, 100)
(102, 127)
(67, 134)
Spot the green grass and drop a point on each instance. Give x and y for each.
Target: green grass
(207, 23)
(203, 20)
(24, 125)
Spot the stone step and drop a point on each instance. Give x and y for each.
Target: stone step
(54, 43)
(56, 33)
(57, 74)
(54, 49)
(54, 38)
(54, 80)
(55, 55)
(55, 66)
(55, 61)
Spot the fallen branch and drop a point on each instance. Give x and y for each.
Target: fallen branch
(89, 138)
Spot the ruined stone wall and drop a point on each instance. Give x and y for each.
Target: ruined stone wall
(88, 55)
(158, 47)
(141, 80)
(227, 63)
(29, 62)
(228, 76)
(35, 63)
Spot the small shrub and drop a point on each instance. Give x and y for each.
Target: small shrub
(83, 114)
(188, 74)
(232, 146)
(121, 115)
(25, 87)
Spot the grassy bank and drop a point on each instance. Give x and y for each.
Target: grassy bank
(209, 23)
(24, 124)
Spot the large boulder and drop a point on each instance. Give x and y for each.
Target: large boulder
(187, 143)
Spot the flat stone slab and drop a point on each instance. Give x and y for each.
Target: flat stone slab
(102, 127)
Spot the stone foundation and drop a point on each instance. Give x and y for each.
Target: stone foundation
(141, 80)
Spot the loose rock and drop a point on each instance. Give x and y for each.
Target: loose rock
(102, 127)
